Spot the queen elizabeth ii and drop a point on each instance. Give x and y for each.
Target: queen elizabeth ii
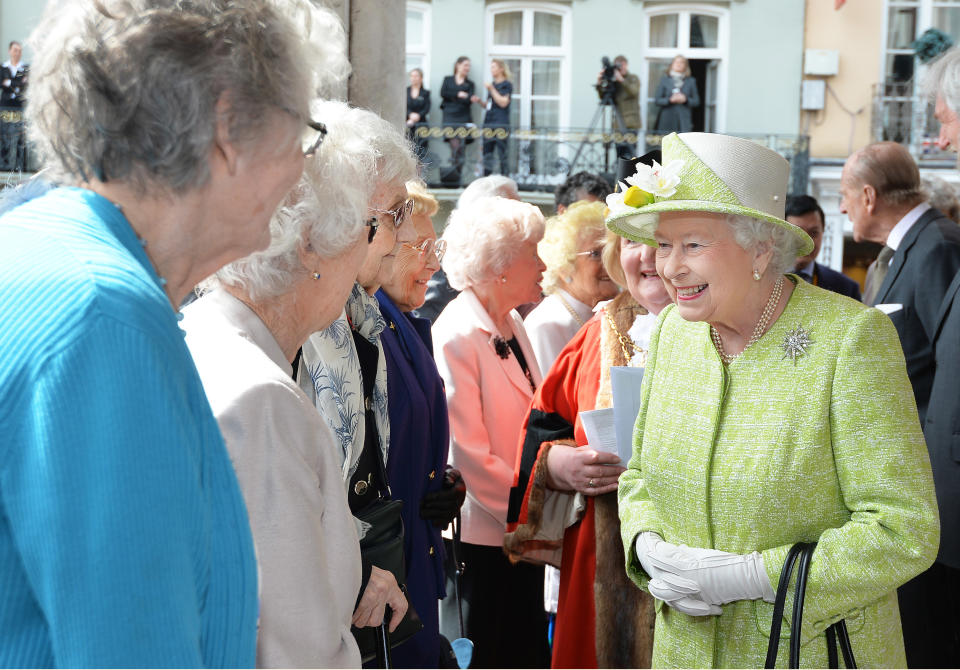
(772, 412)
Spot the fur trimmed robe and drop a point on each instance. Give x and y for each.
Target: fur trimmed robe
(603, 619)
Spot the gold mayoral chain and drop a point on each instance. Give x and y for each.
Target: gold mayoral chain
(758, 331)
(626, 344)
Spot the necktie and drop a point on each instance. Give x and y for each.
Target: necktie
(877, 274)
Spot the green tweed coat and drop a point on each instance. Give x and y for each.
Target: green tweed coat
(768, 452)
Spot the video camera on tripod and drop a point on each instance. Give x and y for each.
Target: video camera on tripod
(607, 85)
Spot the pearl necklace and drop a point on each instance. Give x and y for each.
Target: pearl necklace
(758, 331)
(570, 309)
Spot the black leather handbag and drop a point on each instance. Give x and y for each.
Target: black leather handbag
(803, 552)
(382, 546)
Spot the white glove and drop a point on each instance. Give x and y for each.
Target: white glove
(681, 599)
(715, 577)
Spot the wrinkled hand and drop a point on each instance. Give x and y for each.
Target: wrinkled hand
(715, 577)
(682, 600)
(582, 469)
(382, 590)
(440, 507)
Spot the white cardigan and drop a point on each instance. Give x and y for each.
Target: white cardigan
(287, 462)
(551, 325)
(487, 397)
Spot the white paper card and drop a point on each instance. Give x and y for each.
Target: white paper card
(625, 383)
(889, 307)
(599, 429)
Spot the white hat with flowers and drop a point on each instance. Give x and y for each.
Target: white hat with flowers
(704, 172)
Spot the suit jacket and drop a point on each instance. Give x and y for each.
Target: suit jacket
(487, 397)
(942, 425)
(837, 282)
(922, 268)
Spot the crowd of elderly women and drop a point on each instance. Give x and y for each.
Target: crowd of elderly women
(189, 487)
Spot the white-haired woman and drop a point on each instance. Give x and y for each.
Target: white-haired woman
(575, 280)
(245, 337)
(174, 131)
(754, 433)
(491, 373)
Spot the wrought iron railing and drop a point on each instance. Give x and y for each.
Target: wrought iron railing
(901, 115)
(539, 159)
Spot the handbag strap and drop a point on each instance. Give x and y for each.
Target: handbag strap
(458, 569)
(802, 553)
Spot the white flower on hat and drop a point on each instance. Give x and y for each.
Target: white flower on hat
(659, 180)
(615, 201)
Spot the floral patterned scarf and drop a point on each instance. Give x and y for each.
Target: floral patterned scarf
(330, 375)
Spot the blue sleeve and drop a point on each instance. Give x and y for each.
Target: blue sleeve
(104, 500)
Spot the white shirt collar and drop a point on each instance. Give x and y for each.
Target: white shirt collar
(903, 225)
(583, 310)
(10, 67)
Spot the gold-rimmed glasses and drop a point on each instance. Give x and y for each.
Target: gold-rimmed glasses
(400, 213)
(437, 247)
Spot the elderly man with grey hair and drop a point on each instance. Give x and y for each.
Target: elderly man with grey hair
(245, 336)
(173, 131)
(439, 291)
(929, 603)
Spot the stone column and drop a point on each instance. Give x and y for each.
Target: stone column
(377, 30)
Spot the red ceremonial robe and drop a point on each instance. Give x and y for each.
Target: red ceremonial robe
(543, 526)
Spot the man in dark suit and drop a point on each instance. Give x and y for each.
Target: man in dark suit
(881, 193)
(804, 212)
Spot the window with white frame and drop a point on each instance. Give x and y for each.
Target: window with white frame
(418, 37)
(899, 114)
(533, 40)
(701, 34)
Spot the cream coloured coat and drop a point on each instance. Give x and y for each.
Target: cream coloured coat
(286, 458)
(487, 397)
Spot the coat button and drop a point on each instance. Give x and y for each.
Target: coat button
(431, 552)
(433, 473)
(360, 488)
(366, 404)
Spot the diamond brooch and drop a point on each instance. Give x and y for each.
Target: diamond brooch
(795, 343)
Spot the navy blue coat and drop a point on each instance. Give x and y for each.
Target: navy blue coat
(419, 439)
(836, 281)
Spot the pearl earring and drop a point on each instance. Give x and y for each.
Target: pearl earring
(316, 275)
(756, 275)
(503, 279)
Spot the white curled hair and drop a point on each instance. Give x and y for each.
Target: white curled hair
(484, 238)
(328, 207)
(753, 234)
(943, 79)
(491, 186)
(128, 89)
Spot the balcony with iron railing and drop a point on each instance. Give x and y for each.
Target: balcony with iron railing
(539, 159)
(901, 115)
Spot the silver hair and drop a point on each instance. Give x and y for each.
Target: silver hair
(328, 207)
(484, 238)
(942, 195)
(754, 234)
(128, 89)
(491, 186)
(943, 79)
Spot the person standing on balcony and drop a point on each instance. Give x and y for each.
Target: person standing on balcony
(418, 106)
(626, 98)
(677, 96)
(13, 86)
(497, 119)
(456, 93)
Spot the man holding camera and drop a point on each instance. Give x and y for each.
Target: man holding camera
(626, 101)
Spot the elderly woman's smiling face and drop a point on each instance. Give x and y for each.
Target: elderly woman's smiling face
(706, 273)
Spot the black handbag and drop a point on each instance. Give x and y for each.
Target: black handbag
(803, 551)
(382, 546)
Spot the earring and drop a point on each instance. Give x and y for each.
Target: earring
(756, 274)
(503, 279)
(316, 275)
(568, 279)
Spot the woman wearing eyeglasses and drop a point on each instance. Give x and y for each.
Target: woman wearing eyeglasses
(575, 279)
(244, 337)
(417, 467)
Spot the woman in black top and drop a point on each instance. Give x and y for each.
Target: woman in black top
(418, 106)
(457, 92)
(497, 119)
(677, 95)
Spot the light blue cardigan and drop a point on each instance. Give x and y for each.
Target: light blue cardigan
(124, 539)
